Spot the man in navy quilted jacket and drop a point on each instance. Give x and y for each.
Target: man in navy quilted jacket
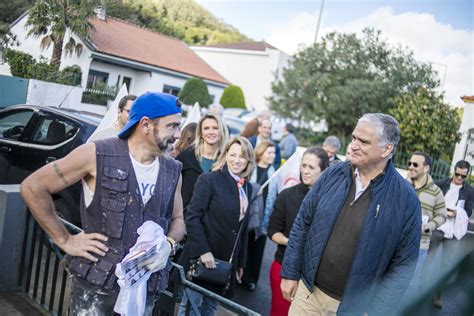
(354, 245)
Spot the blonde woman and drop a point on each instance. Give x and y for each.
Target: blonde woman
(215, 214)
(211, 137)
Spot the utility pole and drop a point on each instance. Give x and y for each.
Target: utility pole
(319, 20)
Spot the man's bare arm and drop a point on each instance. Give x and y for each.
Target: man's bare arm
(177, 228)
(37, 189)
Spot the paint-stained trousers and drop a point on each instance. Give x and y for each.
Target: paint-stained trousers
(85, 301)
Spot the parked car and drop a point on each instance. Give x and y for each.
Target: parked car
(32, 136)
(235, 112)
(234, 124)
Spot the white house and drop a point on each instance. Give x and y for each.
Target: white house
(117, 52)
(464, 149)
(251, 66)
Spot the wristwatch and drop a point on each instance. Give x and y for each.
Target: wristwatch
(173, 244)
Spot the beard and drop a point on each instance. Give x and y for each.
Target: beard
(163, 145)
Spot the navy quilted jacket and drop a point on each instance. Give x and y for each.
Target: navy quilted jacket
(387, 250)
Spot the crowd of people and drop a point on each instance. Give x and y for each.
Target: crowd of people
(349, 236)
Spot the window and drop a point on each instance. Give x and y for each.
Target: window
(96, 78)
(128, 82)
(171, 90)
(13, 124)
(52, 131)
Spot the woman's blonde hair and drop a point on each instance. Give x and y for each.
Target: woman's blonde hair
(199, 141)
(247, 152)
(261, 148)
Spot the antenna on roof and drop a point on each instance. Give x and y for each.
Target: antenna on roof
(100, 12)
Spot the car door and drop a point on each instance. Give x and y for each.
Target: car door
(51, 138)
(14, 125)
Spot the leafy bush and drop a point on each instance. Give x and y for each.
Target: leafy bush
(25, 66)
(195, 90)
(233, 97)
(20, 63)
(100, 94)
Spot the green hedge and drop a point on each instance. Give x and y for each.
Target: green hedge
(25, 66)
(195, 90)
(233, 97)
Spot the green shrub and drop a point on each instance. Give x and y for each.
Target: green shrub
(195, 90)
(233, 97)
(25, 66)
(20, 63)
(100, 94)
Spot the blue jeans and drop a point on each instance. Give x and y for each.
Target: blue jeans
(205, 305)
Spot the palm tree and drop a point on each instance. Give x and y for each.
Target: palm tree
(54, 19)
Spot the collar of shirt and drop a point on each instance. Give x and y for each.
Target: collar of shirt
(358, 182)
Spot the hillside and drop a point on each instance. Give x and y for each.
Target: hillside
(183, 19)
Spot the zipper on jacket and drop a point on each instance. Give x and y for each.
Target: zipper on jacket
(377, 210)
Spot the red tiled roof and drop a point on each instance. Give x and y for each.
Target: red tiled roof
(260, 46)
(469, 99)
(128, 41)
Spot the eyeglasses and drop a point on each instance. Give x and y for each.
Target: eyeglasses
(464, 176)
(414, 164)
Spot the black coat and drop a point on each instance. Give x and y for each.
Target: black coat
(190, 172)
(284, 213)
(212, 222)
(466, 193)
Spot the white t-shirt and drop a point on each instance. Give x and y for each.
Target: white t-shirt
(146, 179)
(452, 196)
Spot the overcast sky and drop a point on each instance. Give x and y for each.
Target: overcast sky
(438, 31)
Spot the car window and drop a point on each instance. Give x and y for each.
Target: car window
(52, 131)
(12, 123)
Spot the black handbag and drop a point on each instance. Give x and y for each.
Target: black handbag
(220, 275)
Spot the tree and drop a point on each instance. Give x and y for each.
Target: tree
(56, 20)
(233, 97)
(195, 90)
(343, 76)
(427, 124)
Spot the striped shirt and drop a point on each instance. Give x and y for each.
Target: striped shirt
(432, 204)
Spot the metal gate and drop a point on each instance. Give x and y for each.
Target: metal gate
(13, 90)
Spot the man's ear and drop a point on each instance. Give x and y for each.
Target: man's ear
(387, 151)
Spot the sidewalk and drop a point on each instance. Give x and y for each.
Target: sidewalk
(15, 304)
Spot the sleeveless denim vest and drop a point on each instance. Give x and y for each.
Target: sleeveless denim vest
(117, 211)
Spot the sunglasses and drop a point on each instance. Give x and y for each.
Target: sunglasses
(414, 164)
(464, 176)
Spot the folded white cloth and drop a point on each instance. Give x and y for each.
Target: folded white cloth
(455, 226)
(133, 272)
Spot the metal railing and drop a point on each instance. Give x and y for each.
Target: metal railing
(42, 276)
(44, 280)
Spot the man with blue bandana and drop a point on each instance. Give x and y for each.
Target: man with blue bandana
(130, 181)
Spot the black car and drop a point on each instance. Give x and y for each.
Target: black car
(32, 136)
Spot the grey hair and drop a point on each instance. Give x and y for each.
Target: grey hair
(386, 127)
(333, 142)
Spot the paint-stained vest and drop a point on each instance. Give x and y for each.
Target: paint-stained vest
(117, 211)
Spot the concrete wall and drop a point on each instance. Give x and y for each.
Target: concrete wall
(253, 71)
(12, 228)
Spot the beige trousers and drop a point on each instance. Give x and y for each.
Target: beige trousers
(316, 303)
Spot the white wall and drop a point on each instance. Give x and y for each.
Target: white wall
(253, 71)
(466, 124)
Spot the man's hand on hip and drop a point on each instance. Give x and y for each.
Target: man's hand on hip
(84, 245)
(288, 289)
